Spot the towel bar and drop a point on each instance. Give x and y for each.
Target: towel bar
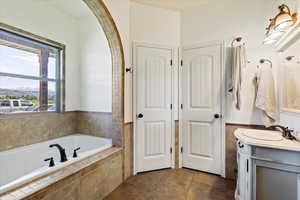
(263, 60)
(237, 39)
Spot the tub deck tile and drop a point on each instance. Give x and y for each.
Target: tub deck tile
(61, 174)
(8, 197)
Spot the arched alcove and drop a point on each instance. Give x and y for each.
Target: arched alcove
(118, 64)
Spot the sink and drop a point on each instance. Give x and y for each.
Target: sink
(263, 135)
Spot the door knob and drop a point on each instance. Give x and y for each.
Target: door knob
(140, 115)
(217, 116)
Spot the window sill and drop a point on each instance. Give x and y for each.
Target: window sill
(23, 115)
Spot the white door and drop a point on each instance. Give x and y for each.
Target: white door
(201, 109)
(153, 75)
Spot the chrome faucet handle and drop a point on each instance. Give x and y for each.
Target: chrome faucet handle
(75, 152)
(51, 164)
(289, 134)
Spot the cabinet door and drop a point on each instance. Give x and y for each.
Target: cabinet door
(243, 176)
(275, 181)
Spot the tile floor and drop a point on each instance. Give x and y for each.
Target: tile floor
(174, 184)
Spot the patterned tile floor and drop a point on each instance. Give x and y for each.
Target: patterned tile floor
(174, 184)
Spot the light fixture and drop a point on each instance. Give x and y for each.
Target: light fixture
(279, 24)
(285, 18)
(269, 41)
(272, 34)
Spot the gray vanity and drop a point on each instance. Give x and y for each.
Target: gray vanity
(268, 166)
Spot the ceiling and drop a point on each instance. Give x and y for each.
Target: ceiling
(171, 4)
(74, 8)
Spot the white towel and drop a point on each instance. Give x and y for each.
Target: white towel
(265, 95)
(292, 86)
(239, 62)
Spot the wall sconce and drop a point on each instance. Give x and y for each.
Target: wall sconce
(279, 24)
(285, 18)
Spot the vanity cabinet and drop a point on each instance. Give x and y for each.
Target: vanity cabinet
(267, 173)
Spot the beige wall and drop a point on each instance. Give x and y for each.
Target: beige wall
(96, 124)
(128, 150)
(22, 130)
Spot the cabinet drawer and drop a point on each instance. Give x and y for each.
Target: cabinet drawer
(277, 155)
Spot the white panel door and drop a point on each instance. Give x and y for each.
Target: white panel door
(154, 116)
(201, 98)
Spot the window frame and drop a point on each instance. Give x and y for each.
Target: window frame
(37, 42)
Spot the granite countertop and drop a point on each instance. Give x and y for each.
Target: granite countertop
(284, 144)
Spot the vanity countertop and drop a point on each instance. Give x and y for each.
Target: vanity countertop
(285, 144)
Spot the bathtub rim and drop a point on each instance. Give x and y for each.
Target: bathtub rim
(56, 169)
(13, 150)
(39, 185)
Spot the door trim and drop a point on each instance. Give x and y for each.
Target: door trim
(222, 96)
(135, 45)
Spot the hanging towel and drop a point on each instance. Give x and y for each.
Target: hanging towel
(239, 62)
(265, 95)
(291, 83)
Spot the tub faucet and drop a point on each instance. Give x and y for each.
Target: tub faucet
(62, 151)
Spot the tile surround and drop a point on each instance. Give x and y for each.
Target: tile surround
(128, 150)
(95, 124)
(22, 130)
(90, 179)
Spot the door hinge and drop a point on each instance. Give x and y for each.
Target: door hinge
(171, 62)
(171, 150)
(171, 106)
(181, 62)
(181, 149)
(181, 106)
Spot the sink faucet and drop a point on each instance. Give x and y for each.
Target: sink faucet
(62, 151)
(286, 132)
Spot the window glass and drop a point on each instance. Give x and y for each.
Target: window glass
(52, 67)
(51, 96)
(28, 78)
(17, 61)
(12, 89)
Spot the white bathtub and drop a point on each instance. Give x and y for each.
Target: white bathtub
(24, 164)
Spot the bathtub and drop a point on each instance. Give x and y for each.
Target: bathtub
(25, 164)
